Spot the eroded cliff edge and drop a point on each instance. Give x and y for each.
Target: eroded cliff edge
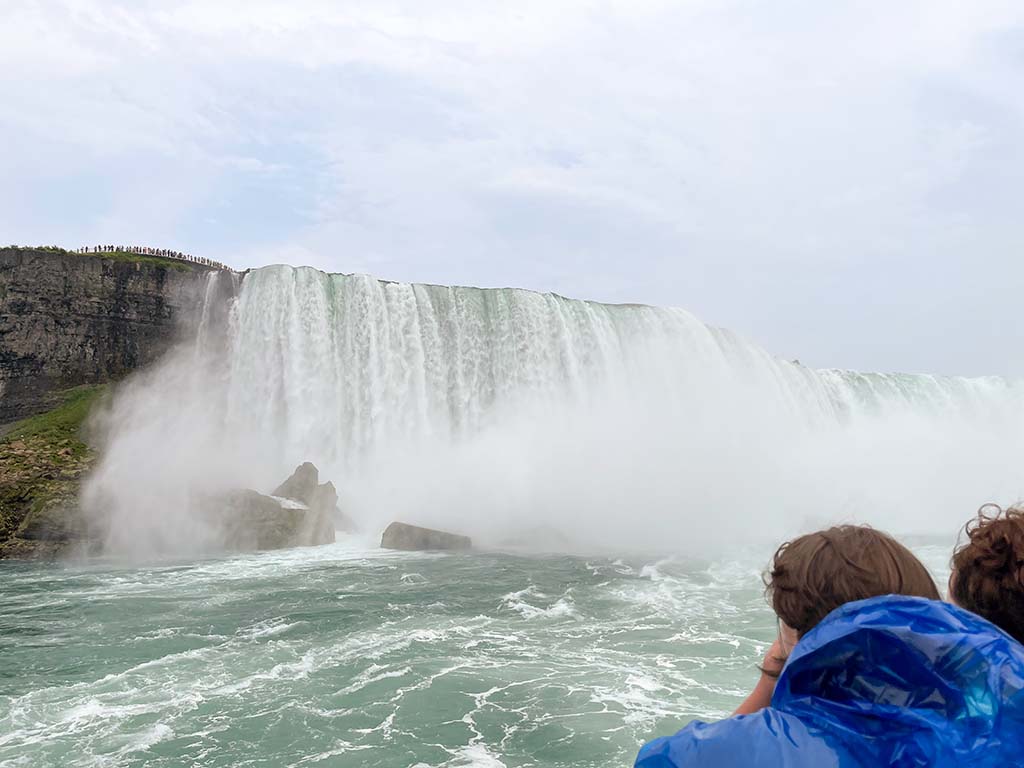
(70, 319)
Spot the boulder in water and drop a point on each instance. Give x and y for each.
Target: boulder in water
(412, 537)
(299, 513)
(249, 520)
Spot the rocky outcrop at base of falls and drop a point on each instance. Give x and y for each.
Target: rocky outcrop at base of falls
(247, 520)
(43, 461)
(298, 513)
(302, 484)
(414, 538)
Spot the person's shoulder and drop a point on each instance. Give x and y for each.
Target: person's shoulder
(765, 739)
(930, 633)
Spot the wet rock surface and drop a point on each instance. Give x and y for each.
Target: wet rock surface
(302, 484)
(415, 538)
(298, 513)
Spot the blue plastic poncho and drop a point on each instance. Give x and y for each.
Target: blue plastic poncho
(888, 681)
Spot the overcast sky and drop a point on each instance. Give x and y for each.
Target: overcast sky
(841, 182)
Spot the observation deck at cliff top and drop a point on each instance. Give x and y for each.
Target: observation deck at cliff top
(144, 250)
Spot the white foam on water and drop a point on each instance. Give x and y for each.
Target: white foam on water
(143, 740)
(374, 674)
(469, 756)
(552, 654)
(340, 749)
(268, 628)
(159, 634)
(563, 607)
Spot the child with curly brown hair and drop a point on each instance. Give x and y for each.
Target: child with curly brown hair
(988, 568)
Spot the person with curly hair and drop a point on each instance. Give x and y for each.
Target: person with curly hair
(988, 568)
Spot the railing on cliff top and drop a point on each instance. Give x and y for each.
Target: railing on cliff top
(144, 250)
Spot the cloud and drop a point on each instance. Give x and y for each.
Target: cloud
(837, 181)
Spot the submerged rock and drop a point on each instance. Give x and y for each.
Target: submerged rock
(412, 537)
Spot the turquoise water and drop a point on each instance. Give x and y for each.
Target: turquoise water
(346, 655)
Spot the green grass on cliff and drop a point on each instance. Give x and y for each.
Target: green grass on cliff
(62, 423)
(143, 258)
(133, 258)
(43, 459)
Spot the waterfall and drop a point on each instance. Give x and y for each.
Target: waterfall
(498, 410)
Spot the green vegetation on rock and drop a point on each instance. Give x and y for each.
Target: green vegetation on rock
(134, 258)
(42, 462)
(60, 424)
(143, 258)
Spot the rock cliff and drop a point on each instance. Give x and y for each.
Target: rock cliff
(68, 319)
(71, 323)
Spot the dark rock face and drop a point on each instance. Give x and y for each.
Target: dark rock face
(302, 484)
(248, 520)
(324, 503)
(412, 537)
(68, 319)
(59, 521)
(299, 513)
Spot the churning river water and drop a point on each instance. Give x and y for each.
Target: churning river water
(347, 655)
(489, 412)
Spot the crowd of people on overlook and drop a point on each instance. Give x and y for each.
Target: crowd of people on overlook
(870, 667)
(144, 250)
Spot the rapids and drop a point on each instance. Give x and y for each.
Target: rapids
(351, 657)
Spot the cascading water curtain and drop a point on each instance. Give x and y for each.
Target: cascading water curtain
(496, 408)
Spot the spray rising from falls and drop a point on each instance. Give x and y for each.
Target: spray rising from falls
(507, 413)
